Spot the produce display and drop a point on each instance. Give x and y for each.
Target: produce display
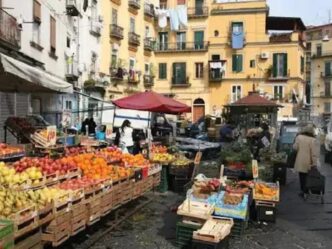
(111, 154)
(7, 151)
(232, 199)
(138, 160)
(159, 149)
(240, 187)
(21, 124)
(181, 161)
(203, 189)
(162, 157)
(266, 191)
(74, 151)
(79, 183)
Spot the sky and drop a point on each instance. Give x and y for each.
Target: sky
(312, 12)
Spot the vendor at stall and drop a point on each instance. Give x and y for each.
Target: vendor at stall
(226, 133)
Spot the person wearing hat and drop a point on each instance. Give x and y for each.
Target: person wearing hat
(307, 155)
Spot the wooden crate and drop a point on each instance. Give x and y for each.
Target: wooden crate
(116, 193)
(61, 220)
(106, 203)
(93, 206)
(137, 189)
(62, 205)
(24, 221)
(58, 236)
(31, 240)
(45, 215)
(156, 179)
(126, 191)
(78, 223)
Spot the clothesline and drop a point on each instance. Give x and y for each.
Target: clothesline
(178, 17)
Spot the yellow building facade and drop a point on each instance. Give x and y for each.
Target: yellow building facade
(320, 52)
(127, 45)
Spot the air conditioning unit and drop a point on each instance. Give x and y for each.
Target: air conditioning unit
(326, 38)
(265, 55)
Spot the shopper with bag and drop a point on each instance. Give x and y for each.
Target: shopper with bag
(124, 137)
(307, 155)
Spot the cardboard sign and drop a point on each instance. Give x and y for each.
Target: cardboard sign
(109, 131)
(51, 134)
(255, 169)
(198, 157)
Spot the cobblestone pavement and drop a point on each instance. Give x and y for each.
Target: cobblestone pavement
(300, 224)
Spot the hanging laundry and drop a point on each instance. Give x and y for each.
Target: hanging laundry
(215, 65)
(182, 15)
(237, 40)
(174, 19)
(162, 17)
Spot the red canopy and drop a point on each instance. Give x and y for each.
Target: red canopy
(152, 102)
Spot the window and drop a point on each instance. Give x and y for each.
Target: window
(199, 39)
(179, 73)
(216, 33)
(147, 32)
(114, 16)
(215, 57)
(68, 42)
(278, 92)
(132, 24)
(94, 11)
(53, 35)
(236, 93)
(162, 71)
(132, 64)
(280, 65)
(163, 40)
(237, 60)
(199, 70)
(114, 59)
(327, 85)
(252, 63)
(36, 12)
(328, 68)
(327, 107)
(237, 27)
(181, 40)
(36, 33)
(68, 105)
(319, 49)
(302, 64)
(147, 69)
(163, 4)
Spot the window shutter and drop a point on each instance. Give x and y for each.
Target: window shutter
(181, 2)
(327, 68)
(174, 73)
(302, 64)
(275, 65)
(234, 63)
(36, 11)
(239, 63)
(285, 65)
(53, 33)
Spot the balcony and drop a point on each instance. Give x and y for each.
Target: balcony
(117, 74)
(134, 4)
(72, 8)
(148, 44)
(322, 54)
(326, 75)
(71, 69)
(148, 80)
(95, 28)
(198, 12)
(148, 10)
(118, 2)
(116, 32)
(180, 82)
(134, 39)
(324, 94)
(133, 77)
(182, 47)
(10, 33)
(216, 70)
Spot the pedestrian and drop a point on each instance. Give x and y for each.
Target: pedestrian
(307, 155)
(84, 124)
(125, 135)
(226, 133)
(92, 126)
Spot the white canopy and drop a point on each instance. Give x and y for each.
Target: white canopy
(19, 76)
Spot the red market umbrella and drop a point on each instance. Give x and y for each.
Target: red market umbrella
(152, 102)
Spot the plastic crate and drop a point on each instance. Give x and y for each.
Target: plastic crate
(178, 184)
(6, 228)
(199, 244)
(163, 186)
(266, 211)
(239, 228)
(184, 234)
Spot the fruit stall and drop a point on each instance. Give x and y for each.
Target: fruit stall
(45, 201)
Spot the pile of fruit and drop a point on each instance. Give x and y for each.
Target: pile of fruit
(241, 187)
(15, 179)
(158, 149)
(232, 199)
(266, 191)
(6, 150)
(203, 189)
(46, 165)
(138, 160)
(80, 183)
(111, 154)
(181, 161)
(162, 157)
(73, 151)
(21, 123)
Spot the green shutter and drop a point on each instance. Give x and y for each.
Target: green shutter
(275, 65)
(162, 70)
(327, 68)
(302, 64)
(285, 65)
(234, 63)
(239, 63)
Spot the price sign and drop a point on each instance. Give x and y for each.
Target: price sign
(51, 134)
(109, 131)
(255, 169)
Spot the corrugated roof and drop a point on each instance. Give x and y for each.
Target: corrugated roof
(254, 99)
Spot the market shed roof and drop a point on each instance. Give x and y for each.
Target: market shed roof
(284, 23)
(254, 99)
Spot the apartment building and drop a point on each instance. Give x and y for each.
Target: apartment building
(227, 49)
(319, 69)
(128, 40)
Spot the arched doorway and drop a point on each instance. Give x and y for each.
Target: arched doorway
(199, 109)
